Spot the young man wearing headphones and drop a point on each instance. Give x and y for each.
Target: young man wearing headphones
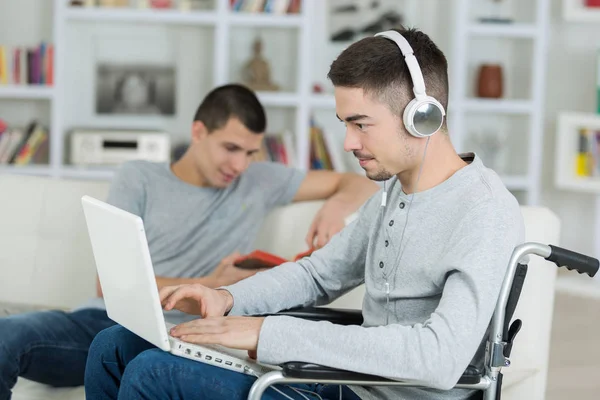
(432, 248)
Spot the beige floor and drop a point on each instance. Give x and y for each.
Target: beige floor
(574, 369)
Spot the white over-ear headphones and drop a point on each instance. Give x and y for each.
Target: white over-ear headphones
(424, 115)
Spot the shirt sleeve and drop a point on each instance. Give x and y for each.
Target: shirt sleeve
(326, 275)
(278, 183)
(128, 189)
(434, 352)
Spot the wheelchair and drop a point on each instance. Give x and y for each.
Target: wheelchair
(486, 380)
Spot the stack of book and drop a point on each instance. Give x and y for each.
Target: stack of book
(27, 66)
(23, 146)
(587, 160)
(267, 6)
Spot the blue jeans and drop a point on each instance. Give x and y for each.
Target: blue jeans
(123, 366)
(49, 347)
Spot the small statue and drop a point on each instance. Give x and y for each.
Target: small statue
(256, 73)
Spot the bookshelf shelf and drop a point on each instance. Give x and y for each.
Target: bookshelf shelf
(503, 106)
(265, 20)
(136, 15)
(504, 30)
(100, 173)
(322, 101)
(38, 170)
(279, 99)
(26, 92)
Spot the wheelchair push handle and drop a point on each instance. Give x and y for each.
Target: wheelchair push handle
(574, 261)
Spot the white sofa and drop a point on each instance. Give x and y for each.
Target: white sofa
(46, 260)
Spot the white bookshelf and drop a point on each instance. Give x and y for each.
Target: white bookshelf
(220, 22)
(463, 104)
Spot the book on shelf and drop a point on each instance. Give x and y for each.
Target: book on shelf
(23, 146)
(278, 147)
(27, 65)
(327, 151)
(598, 81)
(277, 7)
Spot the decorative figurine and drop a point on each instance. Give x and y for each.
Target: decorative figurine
(257, 73)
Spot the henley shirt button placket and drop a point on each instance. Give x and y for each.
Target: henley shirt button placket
(391, 223)
(401, 205)
(380, 264)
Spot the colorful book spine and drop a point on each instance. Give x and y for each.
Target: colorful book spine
(598, 82)
(23, 65)
(3, 66)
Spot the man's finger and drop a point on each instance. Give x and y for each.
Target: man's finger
(165, 292)
(180, 294)
(323, 238)
(310, 236)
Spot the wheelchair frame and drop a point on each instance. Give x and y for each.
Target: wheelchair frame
(499, 343)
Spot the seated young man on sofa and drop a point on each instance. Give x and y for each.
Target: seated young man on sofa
(199, 213)
(432, 250)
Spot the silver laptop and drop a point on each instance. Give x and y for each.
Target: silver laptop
(130, 292)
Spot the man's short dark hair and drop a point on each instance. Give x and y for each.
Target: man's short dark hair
(232, 101)
(376, 65)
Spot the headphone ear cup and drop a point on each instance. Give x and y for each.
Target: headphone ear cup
(408, 118)
(423, 117)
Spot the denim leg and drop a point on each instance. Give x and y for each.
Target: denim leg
(48, 347)
(111, 351)
(155, 374)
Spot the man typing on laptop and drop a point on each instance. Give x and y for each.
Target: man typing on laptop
(198, 212)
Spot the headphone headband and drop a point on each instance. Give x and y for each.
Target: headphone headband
(410, 59)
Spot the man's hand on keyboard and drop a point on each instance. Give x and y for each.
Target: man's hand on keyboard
(196, 299)
(233, 332)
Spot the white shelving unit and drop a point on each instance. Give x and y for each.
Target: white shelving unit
(463, 103)
(222, 21)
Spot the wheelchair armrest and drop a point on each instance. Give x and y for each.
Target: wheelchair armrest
(302, 370)
(335, 315)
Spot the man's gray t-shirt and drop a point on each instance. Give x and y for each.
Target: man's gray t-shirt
(190, 229)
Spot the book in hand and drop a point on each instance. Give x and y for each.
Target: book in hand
(259, 259)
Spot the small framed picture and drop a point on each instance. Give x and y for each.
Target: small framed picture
(135, 89)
